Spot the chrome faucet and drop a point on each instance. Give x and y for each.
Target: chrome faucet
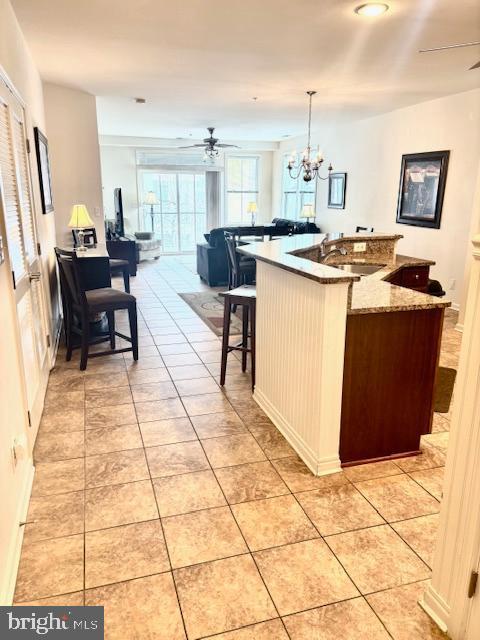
(340, 251)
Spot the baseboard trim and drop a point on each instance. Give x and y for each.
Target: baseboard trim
(318, 466)
(435, 607)
(16, 538)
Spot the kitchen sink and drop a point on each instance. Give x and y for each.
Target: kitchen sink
(359, 269)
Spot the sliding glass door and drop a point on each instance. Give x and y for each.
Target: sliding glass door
(173, 205)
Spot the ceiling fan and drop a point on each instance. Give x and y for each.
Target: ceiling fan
(211, 145)
(455, 46)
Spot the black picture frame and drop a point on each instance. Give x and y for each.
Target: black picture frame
(43, 163)
(337, 187)
(423, 177)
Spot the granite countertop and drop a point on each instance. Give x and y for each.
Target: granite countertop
(369, 293)
(281, 253)
(286, 254)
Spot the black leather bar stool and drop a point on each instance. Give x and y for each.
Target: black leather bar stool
(246, 297)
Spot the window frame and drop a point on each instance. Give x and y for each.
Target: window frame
(143, 214)
(227, 191)
(298, 192)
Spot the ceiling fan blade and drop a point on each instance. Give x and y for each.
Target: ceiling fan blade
(475, 66)
(450, 46)
(225, 146)
(192, 146)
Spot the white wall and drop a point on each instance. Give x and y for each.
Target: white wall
(17, 64)
(74, 156)
(370, 152)
(119, 170)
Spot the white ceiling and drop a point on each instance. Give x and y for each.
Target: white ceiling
(199, 62)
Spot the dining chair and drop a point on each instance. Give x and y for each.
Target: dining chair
(80, 304)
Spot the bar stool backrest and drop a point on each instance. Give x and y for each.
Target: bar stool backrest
(71, 292)
(232, 255)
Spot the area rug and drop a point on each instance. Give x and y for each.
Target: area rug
(208, 305)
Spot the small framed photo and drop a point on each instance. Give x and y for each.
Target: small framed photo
(43, 162)
(422, 186)
(337, 186)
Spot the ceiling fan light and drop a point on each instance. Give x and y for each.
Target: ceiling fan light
(371, 9)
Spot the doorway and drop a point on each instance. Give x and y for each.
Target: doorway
(17, 211)
(178, 212)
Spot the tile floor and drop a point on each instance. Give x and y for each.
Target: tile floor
(182, 510)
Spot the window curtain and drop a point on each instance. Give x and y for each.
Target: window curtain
(212, 185)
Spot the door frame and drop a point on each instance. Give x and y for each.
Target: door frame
(174, 170)
(34, 413)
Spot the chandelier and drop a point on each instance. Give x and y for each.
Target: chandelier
(308, 165)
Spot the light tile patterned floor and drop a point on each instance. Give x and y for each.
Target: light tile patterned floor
(182, 510)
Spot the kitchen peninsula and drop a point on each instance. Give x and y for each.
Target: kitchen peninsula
(347, 352)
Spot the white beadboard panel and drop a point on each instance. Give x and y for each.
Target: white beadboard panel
(299, 370)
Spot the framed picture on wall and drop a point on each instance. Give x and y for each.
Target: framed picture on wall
(422, 186)
(337, 186)
(43, 162)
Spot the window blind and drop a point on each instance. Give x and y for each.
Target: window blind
(10, 195)
(24, 187)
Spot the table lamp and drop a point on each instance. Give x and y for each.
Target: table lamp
(307, 212)
(151, 199)
(252, 210)
(80, 219)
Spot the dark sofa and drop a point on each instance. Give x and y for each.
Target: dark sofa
(212, 264)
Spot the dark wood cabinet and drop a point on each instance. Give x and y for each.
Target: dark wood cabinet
(391, 362)
(411, 278)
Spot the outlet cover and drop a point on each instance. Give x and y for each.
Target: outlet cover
(359, 247)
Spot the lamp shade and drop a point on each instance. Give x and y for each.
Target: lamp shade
(252, 207)
(80, 218)
(307, 211)
(151, 198)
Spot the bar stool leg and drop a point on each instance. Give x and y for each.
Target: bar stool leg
(132, 319)
(225, 339)
(111, 328)
(252, 340)
(85, 341)
(126, 278)
(244, 336)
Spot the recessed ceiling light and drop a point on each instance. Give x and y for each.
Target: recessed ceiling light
(371, 9)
